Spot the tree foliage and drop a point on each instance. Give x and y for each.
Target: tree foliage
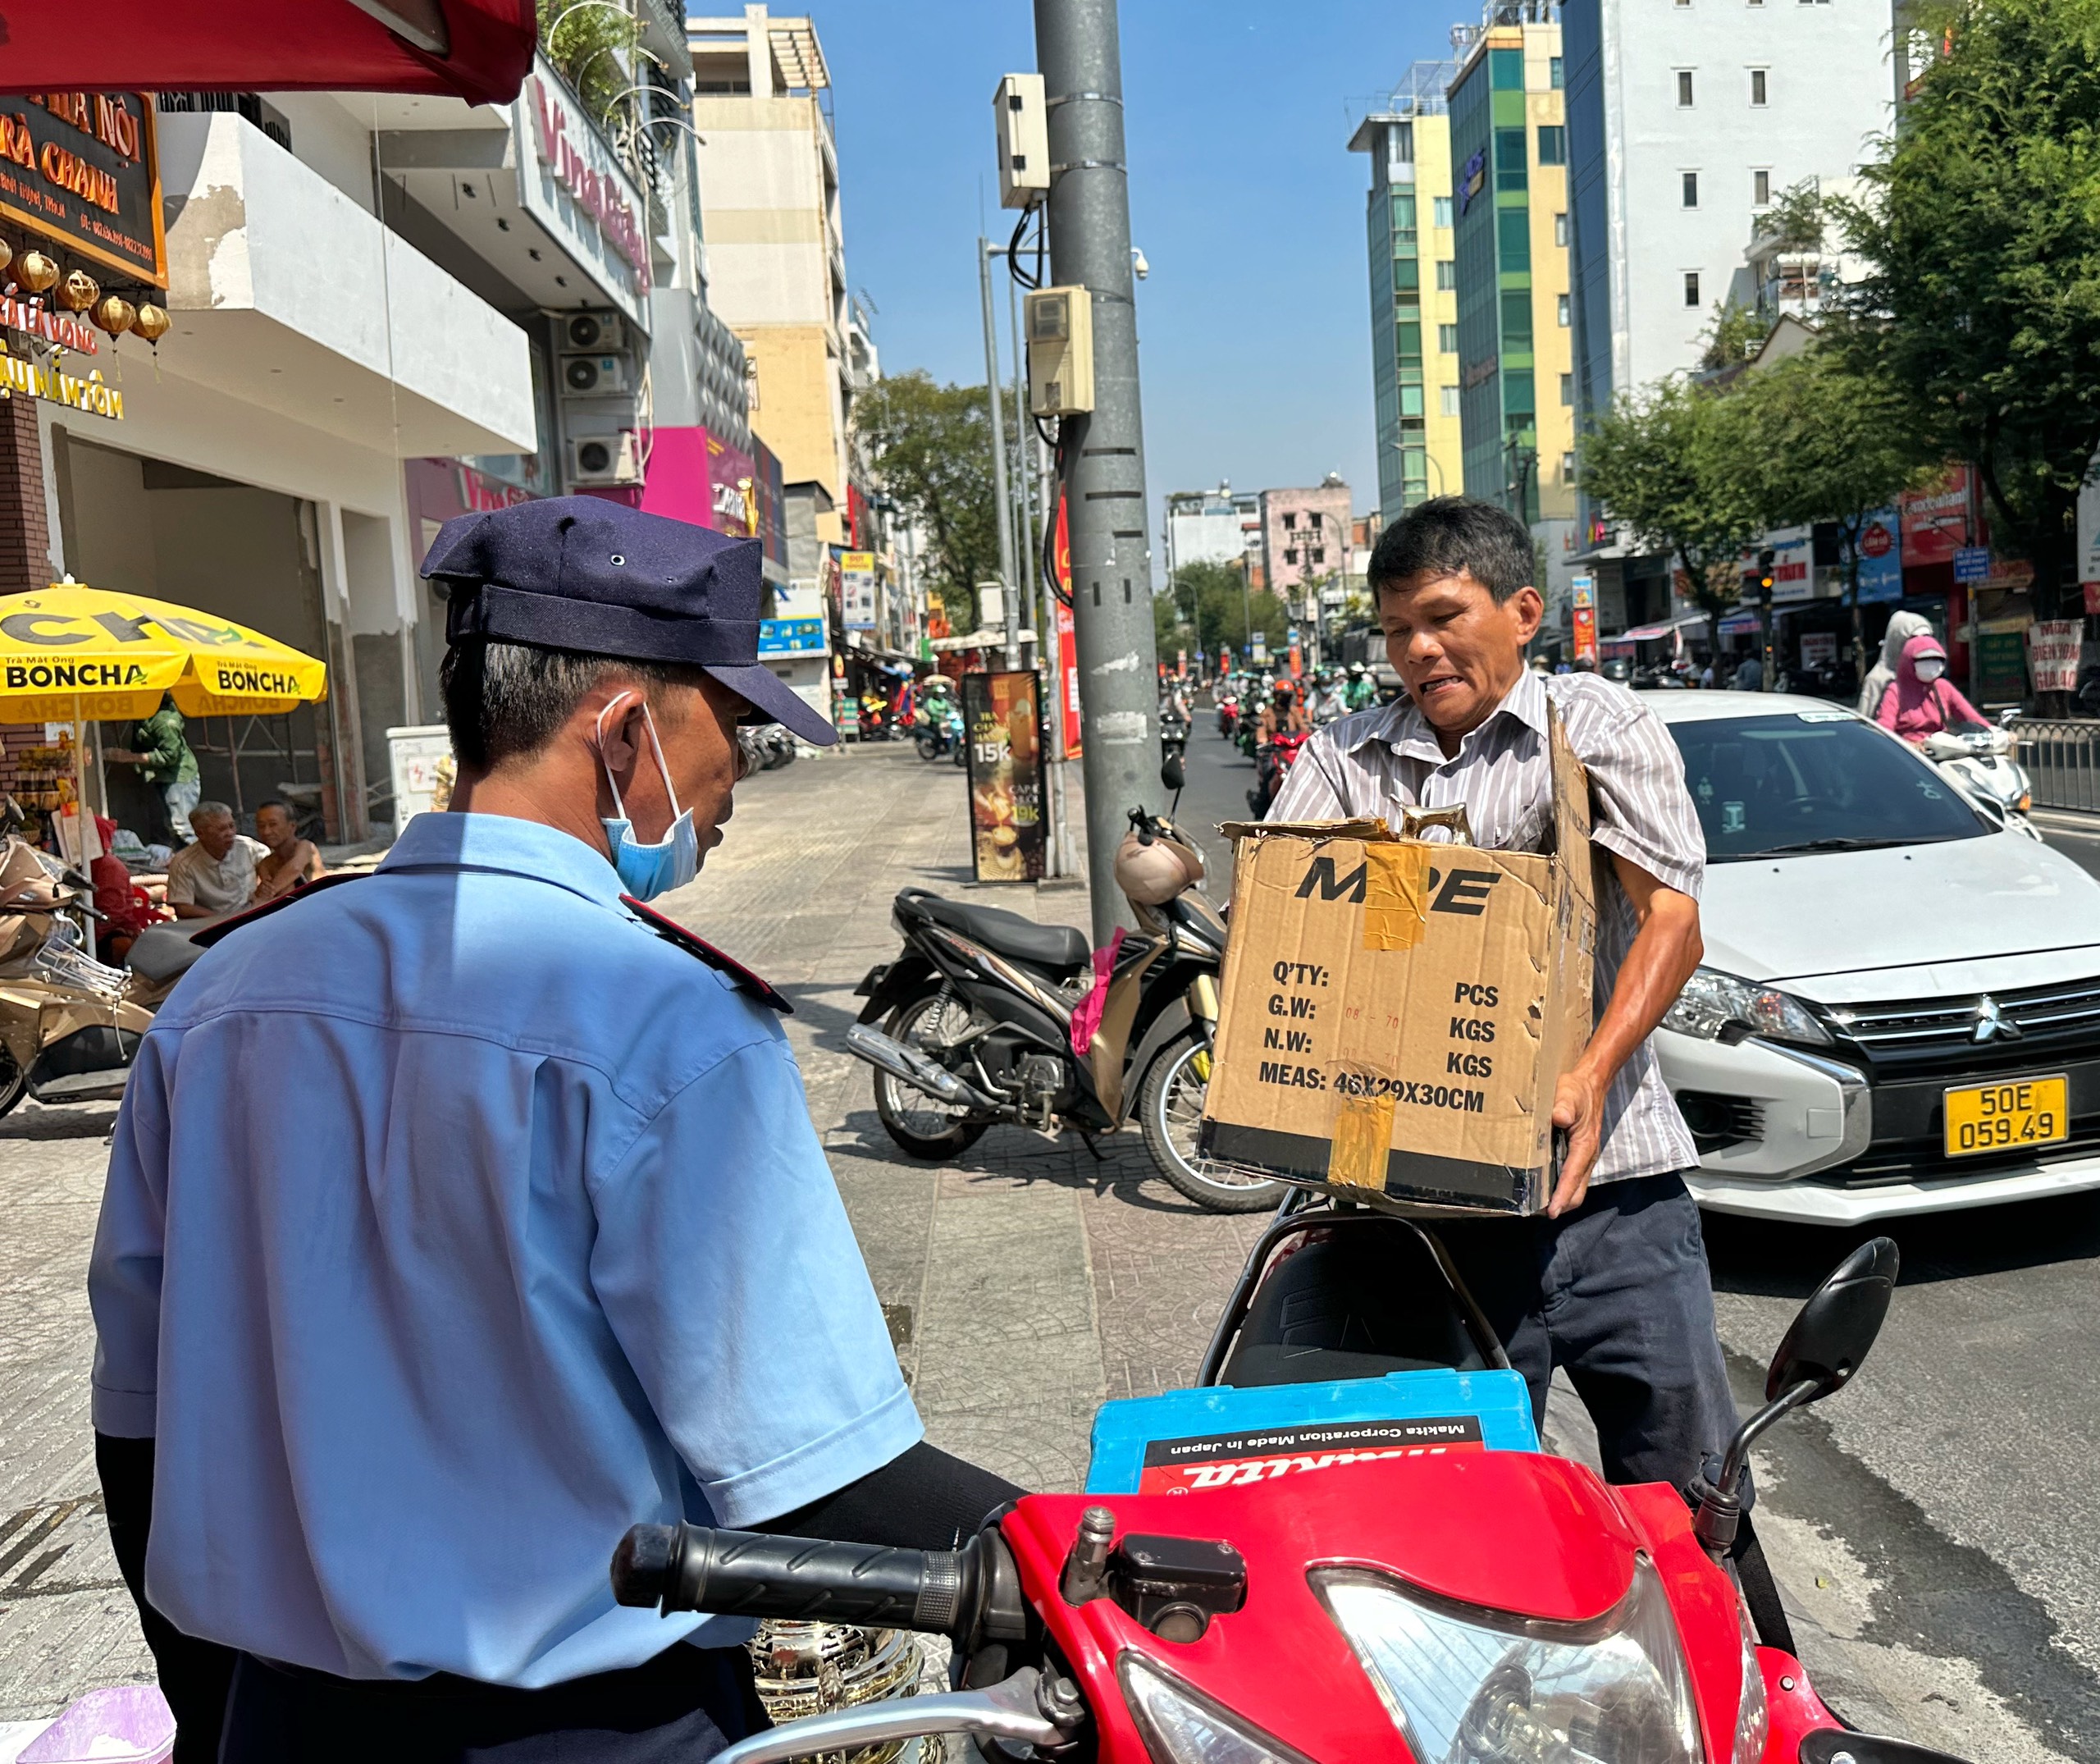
(1981, 230)
(1827, 438)
(1211, 600)
(929, 447)
(1670, 463)
(1734, 333)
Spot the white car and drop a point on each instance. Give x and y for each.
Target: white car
(1899, 1008)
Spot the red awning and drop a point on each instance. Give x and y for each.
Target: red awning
(478, 50)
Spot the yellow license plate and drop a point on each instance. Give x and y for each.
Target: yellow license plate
(2008, 1116)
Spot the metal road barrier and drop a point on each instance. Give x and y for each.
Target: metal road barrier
(2063, 760)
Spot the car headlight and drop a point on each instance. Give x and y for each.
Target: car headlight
(1754, 1712)
(1183, 1726)
(1493, 1687)
(1712, 1001)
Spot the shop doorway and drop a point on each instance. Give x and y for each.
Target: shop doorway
(244, 554)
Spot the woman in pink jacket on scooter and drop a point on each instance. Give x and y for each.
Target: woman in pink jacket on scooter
(1922, 701)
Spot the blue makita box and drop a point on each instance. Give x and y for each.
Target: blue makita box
(1221, 1436)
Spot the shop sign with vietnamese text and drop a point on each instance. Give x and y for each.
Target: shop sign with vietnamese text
(1881, 557)
(1936, 521)
(856, 590)
(573, 184)
(79, 168)
(21, 378)
(2052, 651)
(792, 637)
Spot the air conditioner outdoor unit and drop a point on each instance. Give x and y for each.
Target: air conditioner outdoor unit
(592, 331)
(590, 376)
(603, 459)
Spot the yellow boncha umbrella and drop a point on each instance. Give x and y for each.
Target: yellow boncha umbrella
(70, 653)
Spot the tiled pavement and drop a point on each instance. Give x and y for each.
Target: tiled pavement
(1025, 1282)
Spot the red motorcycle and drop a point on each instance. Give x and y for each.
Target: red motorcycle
(1270, 763)
(1474, 1606)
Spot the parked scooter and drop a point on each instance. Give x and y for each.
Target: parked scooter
(987, 1016)
(69, 1024)
(1979, 759)
(1487, 1606)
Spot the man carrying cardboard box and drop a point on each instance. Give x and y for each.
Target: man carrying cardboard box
(1611, 1282)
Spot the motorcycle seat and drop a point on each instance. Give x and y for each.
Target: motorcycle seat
(1059, 948)
(1360, 1305)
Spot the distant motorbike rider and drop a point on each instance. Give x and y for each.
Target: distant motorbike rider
(1326, 702)
(1282, 715)
(1362, 692)
(1922, 701)
(1902, 627)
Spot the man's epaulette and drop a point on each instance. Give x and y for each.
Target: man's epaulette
(212, 934)
(672, 932)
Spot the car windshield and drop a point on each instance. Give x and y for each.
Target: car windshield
(1813, 781)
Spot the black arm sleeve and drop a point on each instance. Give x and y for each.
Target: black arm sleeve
(922, 1499)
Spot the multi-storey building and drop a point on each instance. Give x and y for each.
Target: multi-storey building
(776, 255)
(1210, 526)
(1305, 543)
(1414, 340)
(1508, 140)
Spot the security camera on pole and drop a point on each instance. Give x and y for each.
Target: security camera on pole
(1083, 370)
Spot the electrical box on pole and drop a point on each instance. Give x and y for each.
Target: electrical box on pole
(1024, 141)
(1061, 352)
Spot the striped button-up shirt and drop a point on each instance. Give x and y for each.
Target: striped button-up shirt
(1380, 761)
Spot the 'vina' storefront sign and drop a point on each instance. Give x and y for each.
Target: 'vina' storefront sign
(575, 188)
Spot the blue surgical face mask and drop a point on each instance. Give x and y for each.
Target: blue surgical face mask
(648, 869)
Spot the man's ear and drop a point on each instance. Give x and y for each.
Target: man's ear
(616, 727)
(1528, 608)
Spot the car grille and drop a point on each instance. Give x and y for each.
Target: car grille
(1936, 1036)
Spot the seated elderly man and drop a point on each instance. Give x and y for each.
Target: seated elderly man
(216, 874)
(292, 862)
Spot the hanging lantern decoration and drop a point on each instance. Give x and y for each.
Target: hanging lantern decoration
(149, 322)
(36, 271)
(7, 255)
(113, 313)
(79, 291)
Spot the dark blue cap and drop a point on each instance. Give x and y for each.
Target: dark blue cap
(596, 577)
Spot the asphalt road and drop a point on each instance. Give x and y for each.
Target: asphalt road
(1924, 1523)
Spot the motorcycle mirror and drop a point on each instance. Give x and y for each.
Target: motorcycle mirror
(1831, 1335)
(1172, 773)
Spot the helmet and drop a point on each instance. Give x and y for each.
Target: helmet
(1286, 687)
(1356, 667)
(1153, 875)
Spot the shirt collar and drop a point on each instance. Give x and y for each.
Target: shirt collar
(504, 843)
(1404, 728)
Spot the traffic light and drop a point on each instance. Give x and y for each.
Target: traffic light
(1764, 561)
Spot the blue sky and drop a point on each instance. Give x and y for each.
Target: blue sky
(1253, 325)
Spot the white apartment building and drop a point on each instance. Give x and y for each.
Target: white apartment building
(1685, 119)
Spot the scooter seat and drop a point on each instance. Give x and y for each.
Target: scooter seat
(1057, 947)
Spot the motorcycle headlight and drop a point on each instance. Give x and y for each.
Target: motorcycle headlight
(1754, 1712)
(1712, 1001)
(1493, 1688)
(1183, 1726)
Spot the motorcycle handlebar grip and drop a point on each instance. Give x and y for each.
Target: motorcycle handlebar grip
(748, 1573)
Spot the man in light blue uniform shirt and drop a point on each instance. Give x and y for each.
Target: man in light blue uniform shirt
(550, 1247)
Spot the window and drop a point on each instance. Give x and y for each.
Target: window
(1560, 229)
(1556, 72)
(1757, 86)
(1410, 406)
(1447, 274)
(1691, 287)
(1761, 188)
(1560, 309)
(1510, 170)
(1450, 400)
(1692, 190)
(1553, 145)
(1684, 88)
(1567, 391)
(1568, 468)
(1314, 517)
(1319, 554)
(1290, 524)
(1443, 212)
(1290, 556)
(1447, 339)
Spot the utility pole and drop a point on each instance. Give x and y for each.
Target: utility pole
(1009, 591)
(1077, 49)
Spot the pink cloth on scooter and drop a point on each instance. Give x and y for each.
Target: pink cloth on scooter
(1086, 1014)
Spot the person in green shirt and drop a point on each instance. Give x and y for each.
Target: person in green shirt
(1362, 692)
(170, 768)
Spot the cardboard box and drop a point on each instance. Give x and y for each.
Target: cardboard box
(1397, 1013)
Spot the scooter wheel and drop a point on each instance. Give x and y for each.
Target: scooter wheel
(1170, 1105)
(14, 1082)
(922, 1124)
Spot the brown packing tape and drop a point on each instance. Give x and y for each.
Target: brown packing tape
(1362, 1140)
(1395, 896)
